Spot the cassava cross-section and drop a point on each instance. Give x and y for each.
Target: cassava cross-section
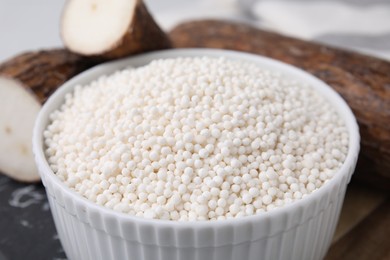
(26, 81)
(110, 29)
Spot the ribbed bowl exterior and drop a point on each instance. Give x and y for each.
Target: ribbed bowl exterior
(302, 230)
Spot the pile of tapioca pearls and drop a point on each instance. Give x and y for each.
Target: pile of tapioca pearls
(195, 139)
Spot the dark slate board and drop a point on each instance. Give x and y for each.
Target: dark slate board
(27, 229)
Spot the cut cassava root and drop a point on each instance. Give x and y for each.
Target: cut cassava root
(26, 81)
(363, 81)
(110, 29)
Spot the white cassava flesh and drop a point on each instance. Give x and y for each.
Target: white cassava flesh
(88, 26)
(16, 158)
(113, 29)
(26, 81)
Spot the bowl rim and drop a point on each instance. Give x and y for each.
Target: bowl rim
(142, 59)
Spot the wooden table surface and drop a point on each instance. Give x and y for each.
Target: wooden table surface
(363, 231)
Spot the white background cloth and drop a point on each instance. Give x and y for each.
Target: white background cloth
(363, 25)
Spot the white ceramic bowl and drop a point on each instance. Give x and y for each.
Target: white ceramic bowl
(301, 230)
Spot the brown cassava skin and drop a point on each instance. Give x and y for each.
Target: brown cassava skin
(363, 81)
(42, 72)
(142, 35)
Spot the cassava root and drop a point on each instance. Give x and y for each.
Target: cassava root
(26, 81)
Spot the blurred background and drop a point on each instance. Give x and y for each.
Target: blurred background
(362, 25)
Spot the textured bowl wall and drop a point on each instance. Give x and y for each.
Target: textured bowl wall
(301, 230)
